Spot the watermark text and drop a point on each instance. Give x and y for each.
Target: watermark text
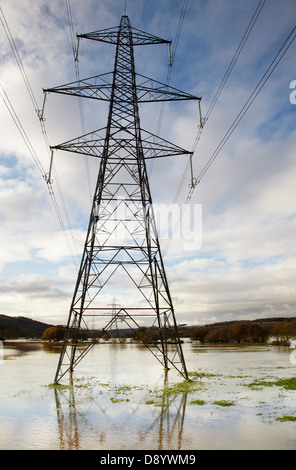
(293, 93)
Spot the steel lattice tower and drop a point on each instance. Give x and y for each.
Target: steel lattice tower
(122, 253)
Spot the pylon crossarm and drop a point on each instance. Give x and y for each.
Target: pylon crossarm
(93, 89)
(93, 144)
(110, 35)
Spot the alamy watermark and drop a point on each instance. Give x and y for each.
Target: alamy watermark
(123, 221)
(181, 223)
(293, 93)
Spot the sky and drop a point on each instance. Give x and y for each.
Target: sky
(239, 263)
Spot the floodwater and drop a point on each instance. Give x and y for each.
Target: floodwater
(122, 399)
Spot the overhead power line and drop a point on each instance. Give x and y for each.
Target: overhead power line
(70, 21)
(21, 129)
(271, 68)
(26, 139)
(33, 153)
(74, 45)
(230, 67)
(236, 56)
(238, 51)
(275, 62)
(17, 58)
(172, 55)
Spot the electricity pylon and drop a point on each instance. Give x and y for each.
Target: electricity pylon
(122, 253)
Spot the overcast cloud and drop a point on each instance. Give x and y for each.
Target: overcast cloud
(245, 266)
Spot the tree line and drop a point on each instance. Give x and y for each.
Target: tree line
(280, 333)
(146, 335)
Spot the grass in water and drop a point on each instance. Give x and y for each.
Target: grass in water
(286, 418)
(197, 402)
(158, 397)
(288, 384)
(58, 386)
(223, 403)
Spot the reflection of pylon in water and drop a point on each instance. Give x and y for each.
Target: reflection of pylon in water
(166, 426)
(122, 252)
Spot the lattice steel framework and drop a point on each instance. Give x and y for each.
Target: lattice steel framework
(122, 253)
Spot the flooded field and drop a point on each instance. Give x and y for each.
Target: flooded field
(239, 398)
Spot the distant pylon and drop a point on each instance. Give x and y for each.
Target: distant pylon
(122, 254)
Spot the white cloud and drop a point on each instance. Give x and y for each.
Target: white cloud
(245, 266)
(232, 291)
(32, 294)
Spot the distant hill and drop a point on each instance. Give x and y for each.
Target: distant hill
(21, 327)
(269, 320)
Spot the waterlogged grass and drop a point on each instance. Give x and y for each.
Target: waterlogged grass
(54, 386)
(201, 375)
(199, 386)
(223, 403)
(150, 402)
(197, 402)
(286, 418)
(181, 387)
(287, 384)
(118, 400)
(91, 388)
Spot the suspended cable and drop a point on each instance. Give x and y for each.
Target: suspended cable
(172, 55)
(70, 22)
(75, 55)
(275, 62)
(24, 135)
(62, 225)
(229, 70)
(173, 50)
(236, 56)
(250, 100)
(24, 75)
(77, 72)
(17, 58)
(29, 145)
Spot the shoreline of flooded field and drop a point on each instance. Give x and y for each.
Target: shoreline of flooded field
(239, 397)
